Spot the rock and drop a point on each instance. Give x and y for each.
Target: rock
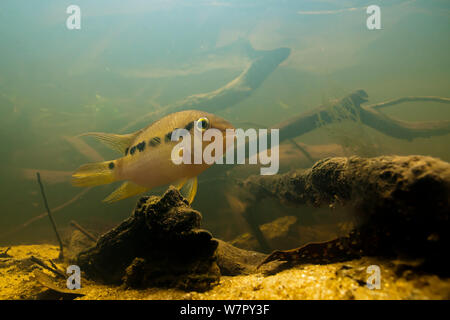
(159, 245)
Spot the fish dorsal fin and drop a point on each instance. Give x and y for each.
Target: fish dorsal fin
(118, 142)
(126, 190)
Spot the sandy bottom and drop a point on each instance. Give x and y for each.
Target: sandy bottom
(347, 280)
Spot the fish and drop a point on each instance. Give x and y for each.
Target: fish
(146, 157)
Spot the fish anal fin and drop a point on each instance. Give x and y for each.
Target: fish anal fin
(189, 189)
(126, 190)
(118, 142)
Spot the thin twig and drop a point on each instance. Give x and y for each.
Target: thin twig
(5, 253)
(302, 150)
(54, 265)
(83, 231)
(50, 216)
(57, 272)
(44, 214)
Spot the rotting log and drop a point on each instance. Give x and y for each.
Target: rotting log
(402, 204)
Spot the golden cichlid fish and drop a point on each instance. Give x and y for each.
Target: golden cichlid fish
(146, 162)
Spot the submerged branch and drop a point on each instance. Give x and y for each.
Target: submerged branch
(44, 214)
(351, 106)
(5, 254)
(57, 272)
(238, 89)
(89, 235)
(408, 99)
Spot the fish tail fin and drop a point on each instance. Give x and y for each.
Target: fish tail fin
(94, 174)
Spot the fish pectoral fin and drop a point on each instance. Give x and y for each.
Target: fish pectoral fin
(180, 183)
(118, 142)
(126, 190)
(189, 189)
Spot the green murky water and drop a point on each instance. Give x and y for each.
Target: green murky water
(132, 58)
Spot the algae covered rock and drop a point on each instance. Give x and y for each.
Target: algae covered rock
(159, 245)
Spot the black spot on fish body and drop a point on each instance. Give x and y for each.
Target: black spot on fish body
(189, 126)
(132, 150)
(141, 146)
(126, 150)
(168, 136)
(155, 141)
(111, 165)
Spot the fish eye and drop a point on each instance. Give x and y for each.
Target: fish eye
(202, 124)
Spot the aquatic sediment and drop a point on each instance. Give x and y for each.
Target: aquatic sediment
(159, 245)
(344, 280)
(402, 203)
